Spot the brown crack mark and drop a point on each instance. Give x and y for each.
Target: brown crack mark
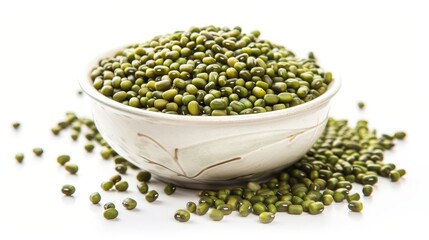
(219, 180)
(154, 141)
(175, 157)
(289, 138)
(176, 160)
(158, 164)
(236, 178)
(318, 124)
(215, 165)
(176, 153)
(293, 136)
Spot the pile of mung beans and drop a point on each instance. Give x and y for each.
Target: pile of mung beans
(343, 157)
(213, 71)
(210, 71)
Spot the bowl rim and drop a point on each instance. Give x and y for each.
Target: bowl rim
(85, 83)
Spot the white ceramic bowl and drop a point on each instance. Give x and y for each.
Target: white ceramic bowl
(205, 151)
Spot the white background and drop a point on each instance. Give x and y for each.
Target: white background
(379, 48)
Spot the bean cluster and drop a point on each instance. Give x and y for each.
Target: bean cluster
(329, 172)
(342, 157)
(209, 71)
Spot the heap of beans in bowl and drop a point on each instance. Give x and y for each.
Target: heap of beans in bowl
(210, 71)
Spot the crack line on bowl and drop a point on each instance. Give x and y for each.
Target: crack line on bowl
(174, 157)
(158, 164)
(236, 178)
(176, 160)
(222, 180)
(293, 136)
(319, 123)
(215, 165)
(290, 138)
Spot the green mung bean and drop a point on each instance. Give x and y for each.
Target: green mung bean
(233, 201)
(202, 209)
(16, 125)
(266, 217)
(109, 205)
(182, 215)
(38, 151)
(68, 189)
(295, 209)
(89, 147)
(75, 135)
(121, 168)
(191, 207)
(56, 130)
(143, 187)
(367, 190)
(306, 204)
(400, 135)
(401, 172)
(71, 167)
(253, 186)
(169, 189)
(95, 198)
(355, 206)
(272, 208)
(395, 176)
(110, 213)
(339, 197)
(259, 208)
(316, 208)
(151, 196)
(369, 179)
(245, 209)
(353, 197)
(327, 199)
(129, 203)
(144, 176)
(115, 178)
(225, 208)
(106, 152)
(216, 215)
(107, 185)
(63, 159)
(121, 186)
(19, 157)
